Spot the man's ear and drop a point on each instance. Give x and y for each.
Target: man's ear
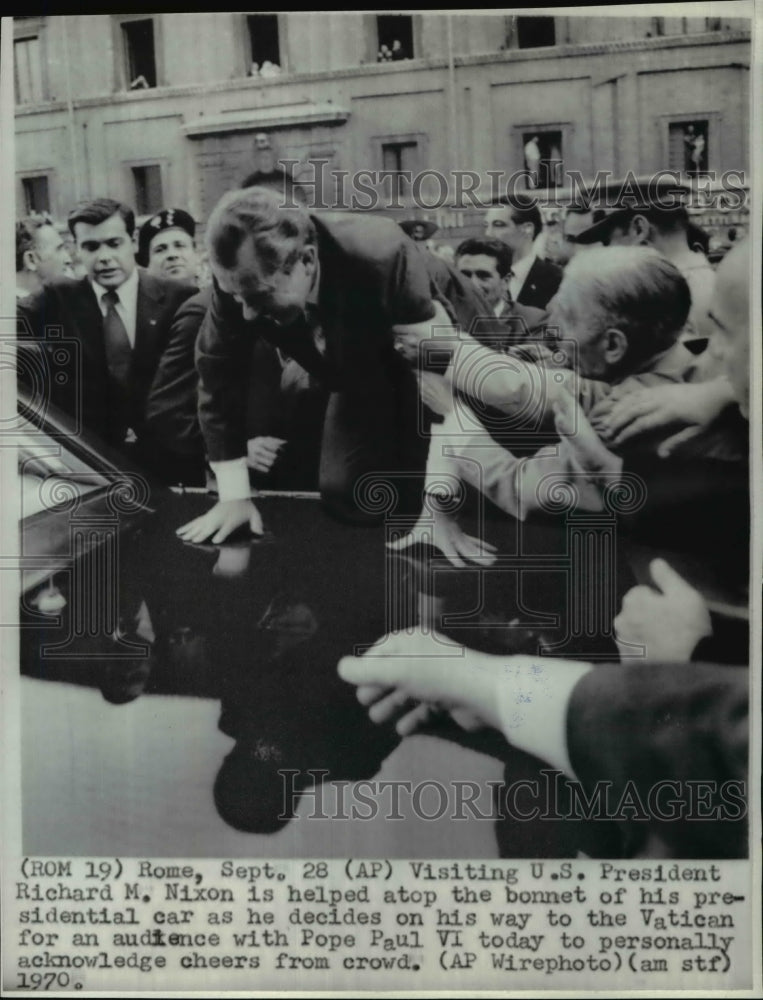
(640, 230)
(30, 260)
(615, 346)
(310, 257)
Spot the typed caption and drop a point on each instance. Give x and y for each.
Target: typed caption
(132, 924)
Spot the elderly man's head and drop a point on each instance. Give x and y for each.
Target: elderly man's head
(619, 307)
(263, 253)
(41, 253)
(730, 316)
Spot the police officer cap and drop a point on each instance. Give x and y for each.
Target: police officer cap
(168, 218)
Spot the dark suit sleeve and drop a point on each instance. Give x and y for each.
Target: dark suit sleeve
(171, 410)
(644, 724)
(223, 349)
(406, 292)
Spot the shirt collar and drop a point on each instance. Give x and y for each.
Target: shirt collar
(126, 291)
(521, 268)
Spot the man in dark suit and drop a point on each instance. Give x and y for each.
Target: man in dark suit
(119, 317)
(517, 222)
(331, 291)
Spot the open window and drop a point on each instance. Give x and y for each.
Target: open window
(542, 150)
(36, 191)
(139, 54)
(535, 32)
(147, 185)
(394, 37)
(689, 146)
(264, 40)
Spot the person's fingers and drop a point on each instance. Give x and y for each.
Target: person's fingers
(667, 579)
(638, 425)
(636, 598)
(390, 707)
(415, 719)
(404, 542)
(369, 694)
(475, 550)
(226, 529)
(671, 443)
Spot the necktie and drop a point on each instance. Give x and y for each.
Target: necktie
(119, 362)
(116, 341)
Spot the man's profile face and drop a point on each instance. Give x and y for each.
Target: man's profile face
(729, 314)
(482, 271)
(574, 224)
(499, 225)
(280, 296)
(51, 257)
(106, 250)
(579, 327)
(172, 254)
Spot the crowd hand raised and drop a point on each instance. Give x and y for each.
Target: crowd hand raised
(583, 447)
(221, 521)
(412, 676)
(669, 624)
(436, 392)
(444, 532)
(644, 410)
(262, 452)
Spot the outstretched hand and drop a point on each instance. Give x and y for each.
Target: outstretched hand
(668, 623)
(444, 532)
(409, 676)
(221, 521)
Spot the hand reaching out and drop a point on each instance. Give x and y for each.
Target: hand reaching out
(444, 532)
(692, 406)
(221, 521)
(668, 624)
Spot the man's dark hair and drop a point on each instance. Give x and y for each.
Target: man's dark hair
(277, 180)
(490, 248)
(93, 213)
(524, 210)
(279, 234)
(26, 234)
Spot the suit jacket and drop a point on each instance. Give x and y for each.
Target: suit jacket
(372, 277)
(541, 284)
(66, 314)
(650, 723)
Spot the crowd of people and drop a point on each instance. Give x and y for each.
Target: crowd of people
(333, 350)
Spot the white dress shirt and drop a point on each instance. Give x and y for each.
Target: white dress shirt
(127, 307)
(519, 271)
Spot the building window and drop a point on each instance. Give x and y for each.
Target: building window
(399, 159)
(36, 194)
(543, 158)
(394, 37)
(140, 55)
(147, 181)
(27, 66)
(688, 146)
(264, 43)
(535, 32)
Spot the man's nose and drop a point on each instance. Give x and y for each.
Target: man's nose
(247, 310)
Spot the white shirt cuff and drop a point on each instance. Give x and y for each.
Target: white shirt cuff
(232, 479)
(533, 707)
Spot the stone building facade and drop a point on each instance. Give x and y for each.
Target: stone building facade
(173, 109)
